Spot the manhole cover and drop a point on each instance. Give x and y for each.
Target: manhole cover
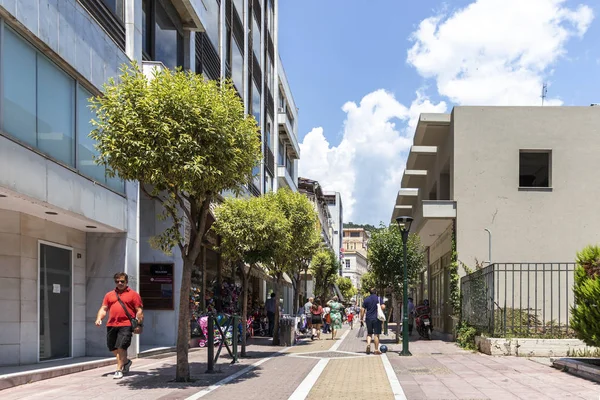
(329, 354)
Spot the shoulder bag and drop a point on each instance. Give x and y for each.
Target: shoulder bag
(134, 322)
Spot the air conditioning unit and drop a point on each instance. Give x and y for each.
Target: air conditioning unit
(280, 110)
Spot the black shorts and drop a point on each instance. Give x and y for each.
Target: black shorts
(373, 326)
(118, 337)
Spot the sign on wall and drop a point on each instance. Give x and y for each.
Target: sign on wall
(156, 286)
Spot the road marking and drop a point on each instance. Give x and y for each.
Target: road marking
(306, 385)
(228, 379)
(337, 344)
(393, 379)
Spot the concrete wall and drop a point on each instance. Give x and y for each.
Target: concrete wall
(527, 225)
(19, 287)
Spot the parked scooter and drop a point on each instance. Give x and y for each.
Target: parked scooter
(423, 321)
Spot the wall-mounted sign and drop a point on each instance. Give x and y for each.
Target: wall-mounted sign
(156, 286)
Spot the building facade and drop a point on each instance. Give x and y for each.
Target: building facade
(65, 228)
(336, 210)
(355, 243)
(501, 178)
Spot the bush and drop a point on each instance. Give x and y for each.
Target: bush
(465, 336)
(585, 319)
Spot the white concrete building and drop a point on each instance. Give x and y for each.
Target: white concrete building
(336, 210)
(523, 173)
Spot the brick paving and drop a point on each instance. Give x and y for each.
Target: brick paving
(437, 370)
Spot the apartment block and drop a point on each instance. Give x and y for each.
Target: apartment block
(512, 184)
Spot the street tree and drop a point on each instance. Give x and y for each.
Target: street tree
(295, 249)
(186, 140)
(249, 229)
(346, 287)
(386, 256)
(324, 269)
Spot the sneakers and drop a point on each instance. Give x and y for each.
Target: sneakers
(127, 366)
(368, 349)
(118, 375)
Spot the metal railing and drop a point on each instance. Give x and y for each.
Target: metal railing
(230, 321)
(520, 299)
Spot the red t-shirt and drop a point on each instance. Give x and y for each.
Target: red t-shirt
(317, 310)
(117, 316)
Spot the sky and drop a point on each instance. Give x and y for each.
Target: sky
(361, 72)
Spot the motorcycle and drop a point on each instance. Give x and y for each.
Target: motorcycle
(423, 321)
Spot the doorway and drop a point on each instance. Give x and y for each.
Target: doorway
(55, 301)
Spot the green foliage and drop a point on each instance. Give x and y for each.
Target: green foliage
(368, 281)
(324, 268)
(185, 137)
(250, 229)
(385, 256)
(454, 278)
(465, 336)
(585, 315)
(346, 287)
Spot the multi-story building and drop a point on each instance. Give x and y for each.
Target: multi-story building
(354, 249)
(313, 190)
(334, 203)
(512, 179)
(65, 228)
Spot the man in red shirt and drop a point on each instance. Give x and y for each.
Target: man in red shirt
(119, 327)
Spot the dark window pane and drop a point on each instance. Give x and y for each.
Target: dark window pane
(167, 38)
(18, 70)
(534, 169)
(116, 6)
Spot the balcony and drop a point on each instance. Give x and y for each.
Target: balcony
(284, 178)
(286, 131)
(433, 218)
(269, 159)
(192, 14)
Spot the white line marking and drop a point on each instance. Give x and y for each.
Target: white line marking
(393, 379)
(304, 388)
(337, 344)
(228, 379)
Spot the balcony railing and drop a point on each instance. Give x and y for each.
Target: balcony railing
(269, 160)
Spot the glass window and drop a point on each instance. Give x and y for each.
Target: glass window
(116, 6)
(269, 136)
(237, 67)
(256, 176)
(255, 102)
(212, 21)
(270, 73)
(168, 42)
(256, 40)
(281, 155)
(18, 67)
(85, 144)
(270, 15)
(146, 27)
(534, 169)
(55, 111)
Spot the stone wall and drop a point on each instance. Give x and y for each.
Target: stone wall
(526, 347)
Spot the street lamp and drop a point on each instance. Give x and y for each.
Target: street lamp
(404, 225)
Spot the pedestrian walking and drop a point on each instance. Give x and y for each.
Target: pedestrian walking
(368, 316)
(335, 312)
(316, 312)
(308, 315)
(270, 308)
(351, 320)
(121, 304)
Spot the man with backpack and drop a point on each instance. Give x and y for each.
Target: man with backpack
(121, 304)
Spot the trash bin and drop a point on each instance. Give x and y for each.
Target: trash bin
(287, 329)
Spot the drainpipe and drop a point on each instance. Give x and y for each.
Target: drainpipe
(489, 245)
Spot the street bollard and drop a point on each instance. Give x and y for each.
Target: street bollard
(211, 345)
(235, 339)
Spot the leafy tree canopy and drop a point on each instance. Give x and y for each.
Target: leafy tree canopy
(346, 287)
(366, 227)
(585, 318)
(324, 268)
(385, 256)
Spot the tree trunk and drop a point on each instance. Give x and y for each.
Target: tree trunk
(183, 329)
(245, 278)
(276, 341)
(296, 283)
(306, 282)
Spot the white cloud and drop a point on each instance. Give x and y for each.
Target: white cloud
(496, 52)
(492, 52)
(366, 167)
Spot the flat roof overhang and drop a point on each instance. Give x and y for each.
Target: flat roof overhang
(402, 210)
(421, 157)
(436, 216)
(413, 177)
(432, 129)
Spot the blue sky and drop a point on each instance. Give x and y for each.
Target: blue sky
(360, 76)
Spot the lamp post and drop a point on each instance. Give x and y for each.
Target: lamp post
(404, 225)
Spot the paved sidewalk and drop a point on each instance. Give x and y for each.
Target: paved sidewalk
(328, 369)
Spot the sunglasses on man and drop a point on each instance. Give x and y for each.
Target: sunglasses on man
(120, 281)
